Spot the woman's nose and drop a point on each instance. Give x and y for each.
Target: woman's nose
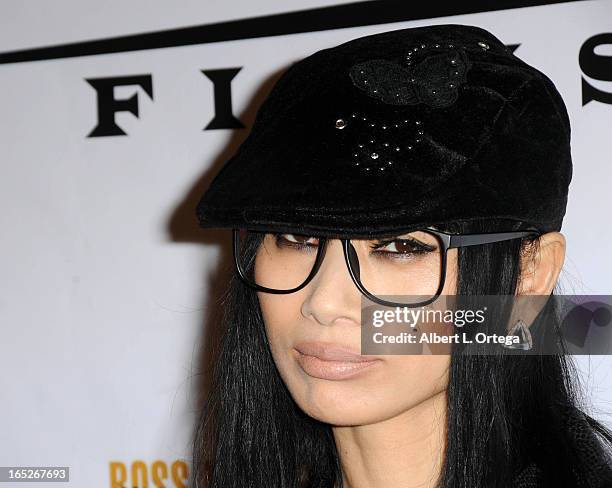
(332, 296)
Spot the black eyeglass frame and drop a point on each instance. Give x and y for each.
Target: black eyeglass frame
(448, 241)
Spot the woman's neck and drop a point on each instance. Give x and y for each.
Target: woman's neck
(403, 451)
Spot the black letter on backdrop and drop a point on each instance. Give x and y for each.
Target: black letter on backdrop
(595, 66)
(108, 105)
(222, 82)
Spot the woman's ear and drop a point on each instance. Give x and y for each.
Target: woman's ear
(541, 265)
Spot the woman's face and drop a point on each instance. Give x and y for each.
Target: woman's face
(314, 335)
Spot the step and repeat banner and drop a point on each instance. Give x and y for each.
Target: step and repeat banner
(114, 118)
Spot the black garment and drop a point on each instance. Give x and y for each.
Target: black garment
(592, 467)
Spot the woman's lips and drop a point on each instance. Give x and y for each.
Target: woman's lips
(331, 361)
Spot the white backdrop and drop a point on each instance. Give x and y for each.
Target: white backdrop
(107, 285)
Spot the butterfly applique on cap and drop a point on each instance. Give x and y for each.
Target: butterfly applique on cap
(433, 81)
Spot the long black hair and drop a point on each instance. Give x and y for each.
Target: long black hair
(511, 420)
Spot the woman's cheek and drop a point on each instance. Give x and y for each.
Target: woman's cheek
(278, 313)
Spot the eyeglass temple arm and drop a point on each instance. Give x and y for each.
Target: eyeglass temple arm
(474, 239)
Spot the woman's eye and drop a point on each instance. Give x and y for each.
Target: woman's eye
(296, 240)
(403, 246)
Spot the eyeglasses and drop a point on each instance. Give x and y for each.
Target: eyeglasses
(410, 267)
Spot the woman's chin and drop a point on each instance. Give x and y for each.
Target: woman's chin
(340, 403)
(334, 414)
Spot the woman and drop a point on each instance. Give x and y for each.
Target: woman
(405, 167)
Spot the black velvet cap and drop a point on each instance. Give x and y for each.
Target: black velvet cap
(398, 130)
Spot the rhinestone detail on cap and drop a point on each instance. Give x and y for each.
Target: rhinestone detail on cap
(429, 74)
(379, 149)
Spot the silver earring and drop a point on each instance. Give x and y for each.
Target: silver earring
(520, 330)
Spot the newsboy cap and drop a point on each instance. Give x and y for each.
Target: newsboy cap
(398, 130)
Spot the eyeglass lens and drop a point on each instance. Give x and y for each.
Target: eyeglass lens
(407, 266)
